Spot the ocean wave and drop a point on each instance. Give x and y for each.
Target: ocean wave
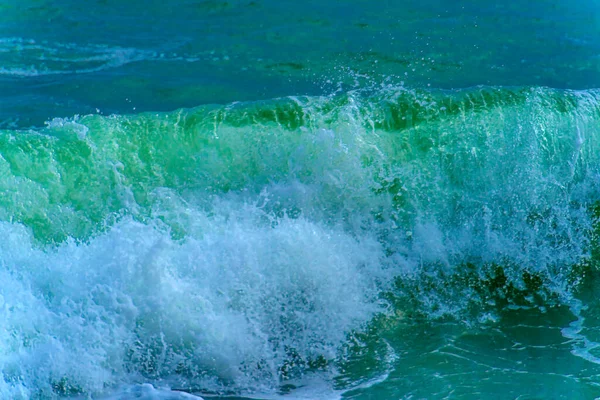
(237, 248)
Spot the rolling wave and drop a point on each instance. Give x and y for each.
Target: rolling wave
(238, 248)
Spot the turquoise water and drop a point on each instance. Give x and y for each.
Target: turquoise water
(321, 200)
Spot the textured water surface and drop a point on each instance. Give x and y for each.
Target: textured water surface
(322, 200)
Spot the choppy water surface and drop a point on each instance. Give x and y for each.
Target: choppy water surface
(303, 201)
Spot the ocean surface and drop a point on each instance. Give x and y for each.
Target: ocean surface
(266, 199)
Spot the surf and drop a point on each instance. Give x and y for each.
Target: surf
(240, 249)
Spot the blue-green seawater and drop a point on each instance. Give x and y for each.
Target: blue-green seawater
(299, 200)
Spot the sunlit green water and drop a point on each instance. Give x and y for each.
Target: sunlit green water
(338, 210)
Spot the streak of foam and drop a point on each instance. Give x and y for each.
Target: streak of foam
(149, 392)
(581, 346)
(43, 58)
(29, 58)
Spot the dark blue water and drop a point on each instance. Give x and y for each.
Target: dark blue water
(61, 58)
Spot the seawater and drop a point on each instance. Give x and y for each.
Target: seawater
(299, 201)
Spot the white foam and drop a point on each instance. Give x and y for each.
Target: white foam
(149, 392)
(225, 306)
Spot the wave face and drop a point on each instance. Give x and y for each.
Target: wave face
(238, 249)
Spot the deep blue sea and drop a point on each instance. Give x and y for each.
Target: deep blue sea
(299, 200)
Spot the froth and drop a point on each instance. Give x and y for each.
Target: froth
(226, 306)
